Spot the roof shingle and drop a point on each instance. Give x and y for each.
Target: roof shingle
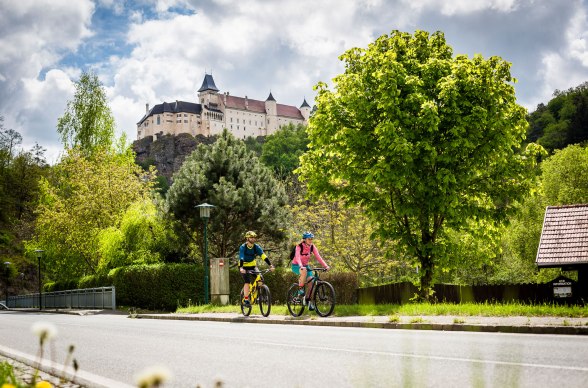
(564, 239)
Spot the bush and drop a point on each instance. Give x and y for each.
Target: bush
(171, 285)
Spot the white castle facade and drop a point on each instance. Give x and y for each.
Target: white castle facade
(242, 116)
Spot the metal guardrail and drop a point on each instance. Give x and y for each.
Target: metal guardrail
(93, 298)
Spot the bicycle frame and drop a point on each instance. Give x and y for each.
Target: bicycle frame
(314, 280)
(253, 286)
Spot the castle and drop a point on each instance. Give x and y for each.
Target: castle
(242, 116)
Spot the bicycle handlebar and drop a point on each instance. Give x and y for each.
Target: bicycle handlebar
(319, 269)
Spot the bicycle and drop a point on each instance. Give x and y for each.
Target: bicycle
(258, 293)
(322, 294)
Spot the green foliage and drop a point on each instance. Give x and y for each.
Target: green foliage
(20, 172)
(7, 377)
(565, 176)
(87, 123)
(144, 237)
(81, 198)
(283, 149)
(421, 140)
(563, 121)
(244, 191)
(254, 144)
(154, 287)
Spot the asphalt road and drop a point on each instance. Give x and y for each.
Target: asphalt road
(262, 355)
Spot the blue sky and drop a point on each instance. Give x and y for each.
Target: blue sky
(150, 51)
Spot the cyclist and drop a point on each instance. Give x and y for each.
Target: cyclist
(300, 264)
(248, 251)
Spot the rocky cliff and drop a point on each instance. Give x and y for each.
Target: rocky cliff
(168, 152)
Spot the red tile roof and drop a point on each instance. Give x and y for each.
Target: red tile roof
(564, 240)
(259, 107)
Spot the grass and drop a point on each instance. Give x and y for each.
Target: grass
(423, 309)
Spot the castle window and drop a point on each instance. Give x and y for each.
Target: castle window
(185, 121)
(185, 115)
(158, 120)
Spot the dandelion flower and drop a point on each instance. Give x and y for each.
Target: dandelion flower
(43, 384)
(154, 376)
(44, 330)
(6, 385)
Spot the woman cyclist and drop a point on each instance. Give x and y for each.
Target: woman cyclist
(300, 264)
(247, 254)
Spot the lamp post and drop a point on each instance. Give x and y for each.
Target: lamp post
(205, 209)
(39, 253)
(7, 272)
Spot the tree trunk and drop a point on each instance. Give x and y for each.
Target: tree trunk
(426, 288)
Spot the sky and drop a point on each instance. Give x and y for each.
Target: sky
(151, 51)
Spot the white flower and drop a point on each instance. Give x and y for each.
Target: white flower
(154, 376)
(44, 330)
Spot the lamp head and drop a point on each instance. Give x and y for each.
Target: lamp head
(205, 209)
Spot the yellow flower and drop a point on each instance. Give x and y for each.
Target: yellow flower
(6, 385)
(43, 384)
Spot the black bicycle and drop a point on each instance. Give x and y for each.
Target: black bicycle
(322, 295)
(258, 293)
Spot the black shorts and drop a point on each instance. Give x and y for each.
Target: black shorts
(249, 277)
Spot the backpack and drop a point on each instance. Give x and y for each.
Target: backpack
(293, 251)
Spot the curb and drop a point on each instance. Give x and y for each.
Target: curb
(568, 330)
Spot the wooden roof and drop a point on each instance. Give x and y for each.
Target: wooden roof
(564, 239)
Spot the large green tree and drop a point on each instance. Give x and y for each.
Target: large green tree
(244, 191)
(81, 198)
(421, 139)
(87, 123)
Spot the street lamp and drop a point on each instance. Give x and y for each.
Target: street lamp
(7, 272)
(39, 253)
(205, 209)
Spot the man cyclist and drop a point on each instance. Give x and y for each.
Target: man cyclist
(300, 265)
(248, 251)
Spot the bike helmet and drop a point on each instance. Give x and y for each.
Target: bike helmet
(250, 234)
(306, 235)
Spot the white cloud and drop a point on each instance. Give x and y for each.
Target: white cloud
(35, 36)
(462, 7)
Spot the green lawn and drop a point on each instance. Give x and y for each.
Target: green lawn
(417, 309)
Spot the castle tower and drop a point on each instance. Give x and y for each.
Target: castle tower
(271, 111)
(210, 101)
(305, 110)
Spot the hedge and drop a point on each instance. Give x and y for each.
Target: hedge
(169, 286)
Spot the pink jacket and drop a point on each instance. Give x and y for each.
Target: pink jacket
(302, 258)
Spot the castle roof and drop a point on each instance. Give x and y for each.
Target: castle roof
(257, 106)
(208, 84)
(304, 104)
(173, 107)
(270, 97)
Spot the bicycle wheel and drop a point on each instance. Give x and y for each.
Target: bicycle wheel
(294, 301)
(324, 299)
(264, 298)
(246, 310)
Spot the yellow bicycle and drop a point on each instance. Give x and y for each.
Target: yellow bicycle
(258, 293)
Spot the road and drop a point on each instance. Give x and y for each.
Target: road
(261, 355)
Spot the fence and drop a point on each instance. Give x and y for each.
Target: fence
(93, 298)
(400, 293)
